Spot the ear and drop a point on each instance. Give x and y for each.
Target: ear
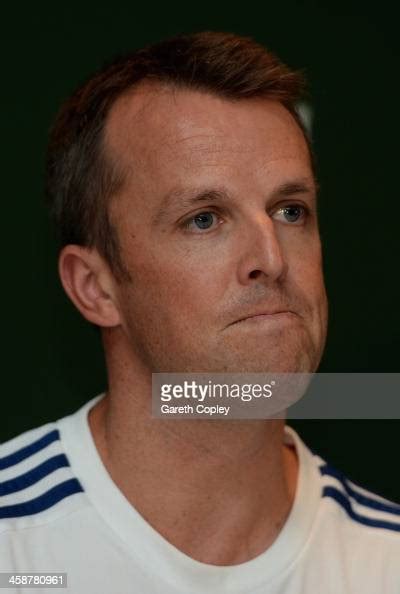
(89, 284)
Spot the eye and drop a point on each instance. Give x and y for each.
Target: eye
(291, 213)
(202, 221)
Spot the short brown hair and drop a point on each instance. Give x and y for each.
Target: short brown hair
(81, 178)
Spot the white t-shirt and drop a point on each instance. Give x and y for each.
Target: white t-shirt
(61, 512)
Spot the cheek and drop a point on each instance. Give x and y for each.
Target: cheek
(174, 289)
(305, 261)
(306, 275)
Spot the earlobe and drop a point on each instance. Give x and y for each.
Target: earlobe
(88, 282)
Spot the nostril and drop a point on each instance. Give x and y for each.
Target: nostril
(255, 273)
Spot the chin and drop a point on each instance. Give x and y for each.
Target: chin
(270, 367)
(259, 363)
(302, 357)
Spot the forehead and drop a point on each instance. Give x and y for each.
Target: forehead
(162, 135)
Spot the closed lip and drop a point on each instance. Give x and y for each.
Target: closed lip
(264, 313)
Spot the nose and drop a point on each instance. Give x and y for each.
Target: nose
(261, 256)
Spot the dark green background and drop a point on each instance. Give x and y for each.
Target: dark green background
(52, 359)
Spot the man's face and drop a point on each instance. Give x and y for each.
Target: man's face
(218, 230)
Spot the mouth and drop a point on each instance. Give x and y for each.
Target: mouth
(258, 318)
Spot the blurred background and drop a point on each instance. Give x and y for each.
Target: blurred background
(52, 360)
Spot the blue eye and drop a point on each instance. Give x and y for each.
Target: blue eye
(203, 220)
(292, 213)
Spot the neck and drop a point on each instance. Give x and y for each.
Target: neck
(220, 491)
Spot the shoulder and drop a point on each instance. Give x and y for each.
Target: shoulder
(36, 480)
(362, 523)
(349, 524)
(361, 506)
(353, 536)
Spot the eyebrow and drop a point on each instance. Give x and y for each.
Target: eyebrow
(185, 198)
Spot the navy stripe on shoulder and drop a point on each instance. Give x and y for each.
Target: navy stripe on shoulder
(29, 450)
(42, 502)
(31, 477)
(345, 503)
(362, 499)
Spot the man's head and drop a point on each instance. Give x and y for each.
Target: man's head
(182, 183)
